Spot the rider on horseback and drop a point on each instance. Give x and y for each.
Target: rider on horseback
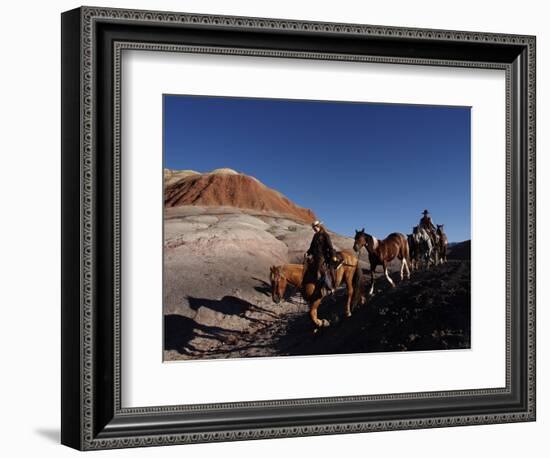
(428, 226)
(323, 256)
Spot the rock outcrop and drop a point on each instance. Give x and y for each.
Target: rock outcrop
(226, 187)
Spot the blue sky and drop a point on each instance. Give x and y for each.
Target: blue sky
(355, 165)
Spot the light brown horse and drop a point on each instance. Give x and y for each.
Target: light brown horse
(442, 244)
(282, 276)
(311, 290)
(382, 252)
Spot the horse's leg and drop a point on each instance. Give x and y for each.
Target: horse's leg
(349, 286)
(405, 262)
(339, 276)
(407, 268)
(313, 314)
(371, 291)
(385, 266)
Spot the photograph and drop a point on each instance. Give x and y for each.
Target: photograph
(314, 227)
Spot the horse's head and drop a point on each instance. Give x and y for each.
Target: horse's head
(415, 229)
(278, 283)
(360, 240)
(440, 228)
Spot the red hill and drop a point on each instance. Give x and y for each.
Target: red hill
(225, 187)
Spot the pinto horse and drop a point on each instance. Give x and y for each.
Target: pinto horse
(306, 280)
(382, 252)
(442, 243)
(424, 252)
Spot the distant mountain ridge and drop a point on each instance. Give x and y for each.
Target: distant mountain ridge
(460, 250)
(227, 187)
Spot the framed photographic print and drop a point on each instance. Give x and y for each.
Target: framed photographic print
(279, 228)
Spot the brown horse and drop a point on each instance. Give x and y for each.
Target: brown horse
(442, 243)
(382, 252)
(310, 288)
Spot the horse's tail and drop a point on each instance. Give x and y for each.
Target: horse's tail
(357, 276)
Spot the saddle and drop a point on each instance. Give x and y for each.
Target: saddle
(324, 270)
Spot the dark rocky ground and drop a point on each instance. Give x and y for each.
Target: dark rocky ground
(431, 311)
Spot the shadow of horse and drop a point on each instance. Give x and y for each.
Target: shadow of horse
(231, 305)
(264, 287)
(180, 330)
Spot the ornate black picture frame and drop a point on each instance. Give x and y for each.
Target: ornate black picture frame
(92, 41)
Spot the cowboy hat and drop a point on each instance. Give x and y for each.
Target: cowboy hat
(316, 223)
(425, 212)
